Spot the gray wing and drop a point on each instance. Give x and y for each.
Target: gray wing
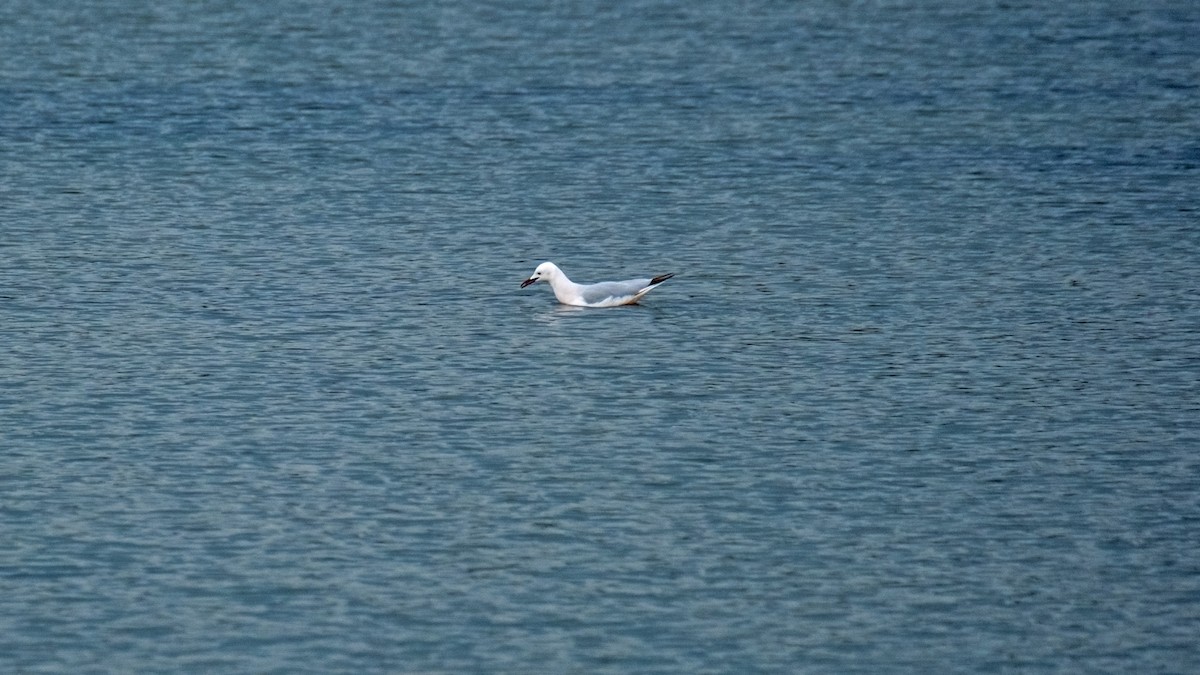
(612, 289)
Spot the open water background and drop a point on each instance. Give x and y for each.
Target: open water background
(924, 396)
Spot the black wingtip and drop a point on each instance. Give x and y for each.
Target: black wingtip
(660, 279)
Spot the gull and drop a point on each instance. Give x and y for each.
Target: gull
(603, 294)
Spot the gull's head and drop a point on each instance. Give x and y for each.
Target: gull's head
(544, 272)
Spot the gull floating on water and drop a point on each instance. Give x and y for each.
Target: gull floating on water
(603, 294)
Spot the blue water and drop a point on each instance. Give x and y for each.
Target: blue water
(924, 395)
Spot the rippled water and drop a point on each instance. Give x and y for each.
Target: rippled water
(922, 397)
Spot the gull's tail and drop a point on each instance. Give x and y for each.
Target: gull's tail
(653, 282)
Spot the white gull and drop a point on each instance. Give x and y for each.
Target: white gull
(603, 294)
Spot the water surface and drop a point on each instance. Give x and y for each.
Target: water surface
(922, 397)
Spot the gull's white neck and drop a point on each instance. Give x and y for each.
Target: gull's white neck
(565, 290)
